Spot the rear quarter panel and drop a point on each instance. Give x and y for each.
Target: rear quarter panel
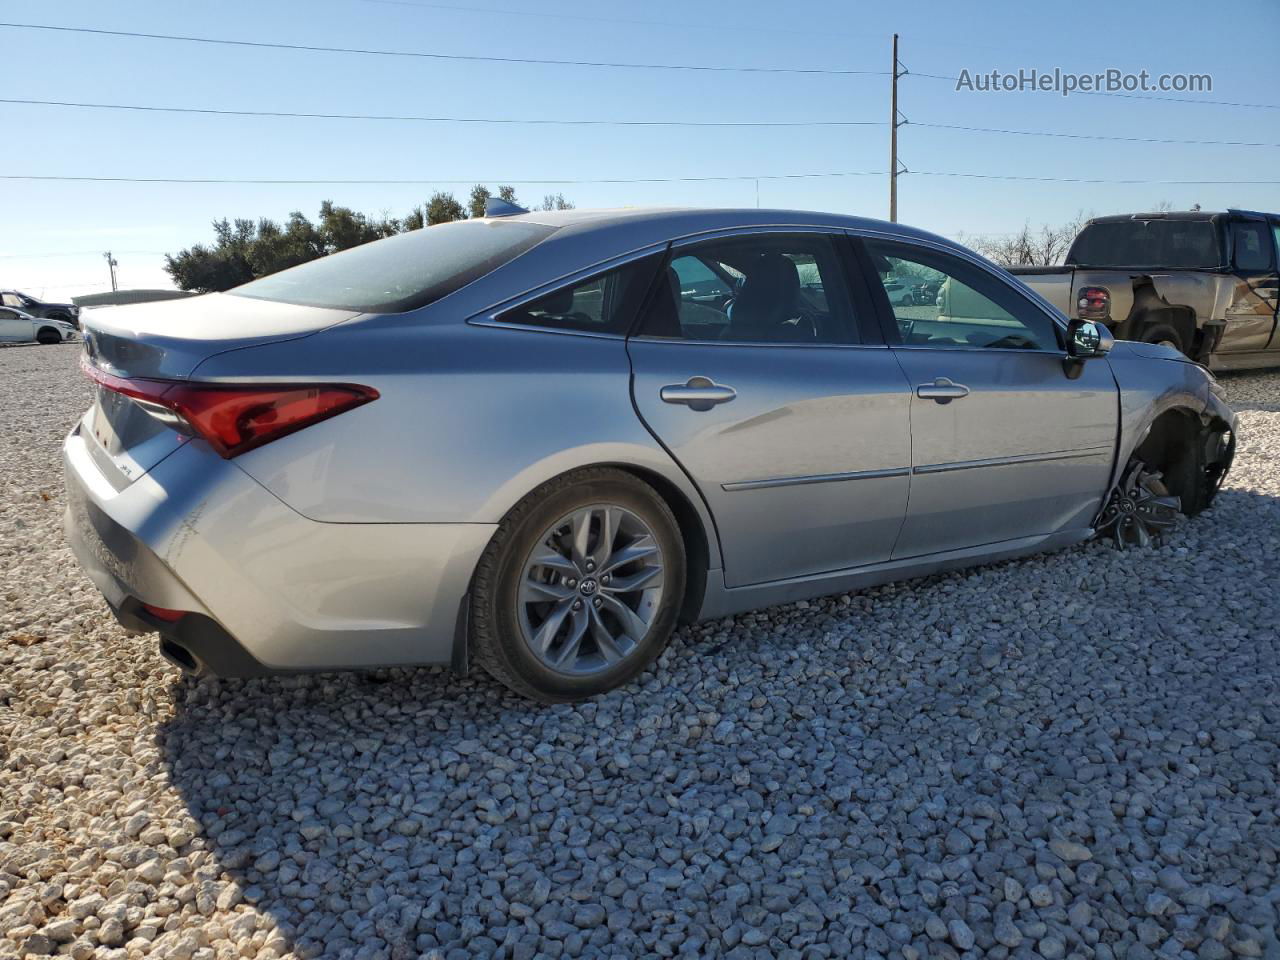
(469, 420)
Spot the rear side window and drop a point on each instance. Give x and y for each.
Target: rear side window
(766, 288)
(1251, 241)
(1185, 244)
(402, 272)
(603, 304)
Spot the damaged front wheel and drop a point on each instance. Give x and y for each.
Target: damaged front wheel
(1140, 508)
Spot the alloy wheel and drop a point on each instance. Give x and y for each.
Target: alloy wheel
(590, 589)
(1140, 508)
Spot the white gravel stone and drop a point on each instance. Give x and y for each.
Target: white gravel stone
(1073, 755)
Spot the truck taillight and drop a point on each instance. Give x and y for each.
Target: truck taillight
(1094, 303)
(235, 418)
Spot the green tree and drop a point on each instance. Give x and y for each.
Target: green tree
(243, 250)
(479, 197)
(416, 220)
(224, 265)
(444, 208)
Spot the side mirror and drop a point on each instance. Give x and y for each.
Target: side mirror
(1088, 339)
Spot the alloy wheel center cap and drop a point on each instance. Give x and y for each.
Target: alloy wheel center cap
(588, 586)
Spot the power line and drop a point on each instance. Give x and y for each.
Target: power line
(1127, 96)
(439, 182)
(150, 108)
(1089, 136)
(75, 253)
(475, 58)
(541, 121)
(612, 180)
(1003, 176)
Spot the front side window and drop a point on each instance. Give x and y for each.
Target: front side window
(12, 300)
(1252, 244)
(604, 304)
(767, 288)
(940, 301)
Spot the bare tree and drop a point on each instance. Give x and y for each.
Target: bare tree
(1028, 247)
(555, 201)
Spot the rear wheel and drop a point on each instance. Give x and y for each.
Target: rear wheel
(48, 335)
(580, 587)
(1166, 334)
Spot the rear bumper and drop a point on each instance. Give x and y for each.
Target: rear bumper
(267, 590)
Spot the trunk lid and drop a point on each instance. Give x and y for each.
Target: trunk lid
(168, 340)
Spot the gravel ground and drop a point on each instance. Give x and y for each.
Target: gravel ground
(1068, 755)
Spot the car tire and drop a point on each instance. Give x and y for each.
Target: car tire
(511, 620)
(1191, 476)
(1164, 333)
(48, 335)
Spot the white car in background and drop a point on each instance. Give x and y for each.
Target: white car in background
(19, 327)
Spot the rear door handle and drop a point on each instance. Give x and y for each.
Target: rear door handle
(942, 390)
(699, 393)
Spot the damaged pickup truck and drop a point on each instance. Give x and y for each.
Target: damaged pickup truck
(1203, 283)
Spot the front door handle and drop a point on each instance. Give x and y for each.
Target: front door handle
(942, 390)
(699, 393)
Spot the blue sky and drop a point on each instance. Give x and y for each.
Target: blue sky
(52, 233)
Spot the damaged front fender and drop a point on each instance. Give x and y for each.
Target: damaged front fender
(1174, 418)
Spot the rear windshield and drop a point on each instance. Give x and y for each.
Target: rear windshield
(403, 272)
(1186, 244)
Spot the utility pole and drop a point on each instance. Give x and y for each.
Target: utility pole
(112, 263)
(895, 121)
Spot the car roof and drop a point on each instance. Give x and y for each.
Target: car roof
(610, 233)
(1178, 215)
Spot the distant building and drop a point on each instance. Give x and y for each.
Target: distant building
(120, 297)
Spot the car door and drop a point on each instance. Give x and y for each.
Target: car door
(1251, 311)
(778, 397)
(13, 325)
(1004, 444)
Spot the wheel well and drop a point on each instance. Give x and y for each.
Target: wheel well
(49, 330)
(697, 548)
(1174, 435)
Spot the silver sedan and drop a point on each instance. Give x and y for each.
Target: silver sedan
(536, 442)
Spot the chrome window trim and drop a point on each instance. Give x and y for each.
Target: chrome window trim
(722, 232)
(488, 317)
(763, 344)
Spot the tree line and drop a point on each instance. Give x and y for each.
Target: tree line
(244, 249)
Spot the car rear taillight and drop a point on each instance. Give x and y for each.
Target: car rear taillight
(235, 418)
(1094, 303)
